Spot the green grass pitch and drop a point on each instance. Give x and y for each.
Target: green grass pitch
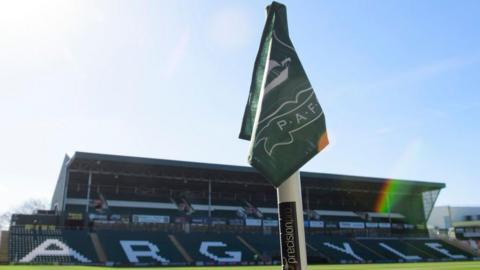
(471, 265)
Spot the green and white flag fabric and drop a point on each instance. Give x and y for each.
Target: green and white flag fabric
(283, 118)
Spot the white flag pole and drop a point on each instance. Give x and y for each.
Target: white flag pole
(290, 217)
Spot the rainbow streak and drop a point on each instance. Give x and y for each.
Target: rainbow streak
(383, 202)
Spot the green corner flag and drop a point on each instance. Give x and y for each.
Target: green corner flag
(283, 118)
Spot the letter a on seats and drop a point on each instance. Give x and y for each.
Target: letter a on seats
(133, 255)
(63, 250)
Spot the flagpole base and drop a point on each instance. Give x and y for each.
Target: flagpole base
(291, 225)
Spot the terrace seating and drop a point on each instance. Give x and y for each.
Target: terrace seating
(414, 249)
(439, 249)
(158, 244)
(390, 249)
(50, 246)
(126, 247)
(341, 249)
(211, 248)
(266, 245)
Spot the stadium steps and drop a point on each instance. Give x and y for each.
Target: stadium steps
(180, 248)
(369, 249)
(316, 251)
(423, 252)
(311, 247)
(102, 257)
(4, 246)
(246, 244)
(458, 244)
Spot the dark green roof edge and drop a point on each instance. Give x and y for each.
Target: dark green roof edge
(236, 168)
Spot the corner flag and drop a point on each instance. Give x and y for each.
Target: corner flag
(286, 128)
(283, 118)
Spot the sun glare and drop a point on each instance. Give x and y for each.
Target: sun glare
(33, 19)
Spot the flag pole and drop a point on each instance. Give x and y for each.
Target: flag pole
(292, 230)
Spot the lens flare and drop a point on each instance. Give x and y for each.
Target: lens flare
(385, 200)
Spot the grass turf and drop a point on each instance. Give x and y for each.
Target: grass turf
(470, 265)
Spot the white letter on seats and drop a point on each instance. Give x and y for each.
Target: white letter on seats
(235, 256)
(347, 249)
(399, 254)
(133, 255)
(438, 247)
(63, 250)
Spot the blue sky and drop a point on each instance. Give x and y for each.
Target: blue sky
(398, 81)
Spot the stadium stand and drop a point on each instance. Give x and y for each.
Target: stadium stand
(118, 210)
